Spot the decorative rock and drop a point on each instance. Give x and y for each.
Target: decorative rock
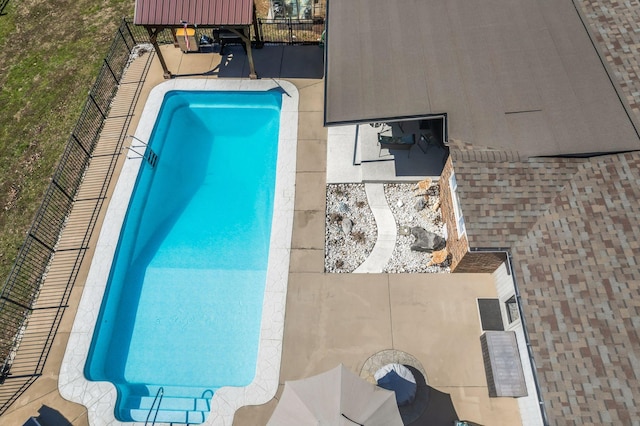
(400, 203)
(420, 204)
(438, 257)
(422, 187)
(343, 207)
(404, 230)
(347, 225)
(426, 241)
(335, 218)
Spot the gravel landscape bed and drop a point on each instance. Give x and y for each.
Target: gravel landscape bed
(402, 199)
(351, 232)
(345, 251)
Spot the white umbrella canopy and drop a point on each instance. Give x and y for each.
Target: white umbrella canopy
(337, 397)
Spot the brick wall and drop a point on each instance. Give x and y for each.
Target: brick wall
(457, 246)
(462, 260)
(480, 262)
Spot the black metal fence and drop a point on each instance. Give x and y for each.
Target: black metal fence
(29, 313)
(290, 31)
(270, 31)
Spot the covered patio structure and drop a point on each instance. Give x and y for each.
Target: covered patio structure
(232, 16)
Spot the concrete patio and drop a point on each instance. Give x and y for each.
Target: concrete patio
(330, 318)
(356, 155)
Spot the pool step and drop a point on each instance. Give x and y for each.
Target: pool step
(164, 416)
(179, 391)
(172, 409)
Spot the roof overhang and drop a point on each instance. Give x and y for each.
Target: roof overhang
(203, 13)
(512, 74)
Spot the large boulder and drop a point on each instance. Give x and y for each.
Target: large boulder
(426, 241)
(420, 204)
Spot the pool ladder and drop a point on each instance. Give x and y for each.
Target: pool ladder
(148, 154)
(155, 408)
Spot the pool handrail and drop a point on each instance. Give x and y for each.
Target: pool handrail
(149, 154)
(158, 398)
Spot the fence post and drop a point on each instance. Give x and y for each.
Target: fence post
(75, 138)
(124, 39)
(45, 245)
(290, 30)
(110, 70)
(57, 185)
(126, 24)
(104, 117)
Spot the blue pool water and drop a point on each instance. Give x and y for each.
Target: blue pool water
(183, 303)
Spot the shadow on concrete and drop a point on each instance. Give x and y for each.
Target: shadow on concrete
(430, 407)
(48, 417)
(305, 61)
(388, 165)
(422, 163)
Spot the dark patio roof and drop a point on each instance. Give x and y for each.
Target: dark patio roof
(511, 74)
(193, 12)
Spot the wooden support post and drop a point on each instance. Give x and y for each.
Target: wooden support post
(153, 36)
(247, 42)
(252, 68)
(175, 38)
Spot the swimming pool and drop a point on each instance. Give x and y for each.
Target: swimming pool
(198, 258)
(184, 299)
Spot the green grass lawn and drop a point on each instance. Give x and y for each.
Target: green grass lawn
(50, 53)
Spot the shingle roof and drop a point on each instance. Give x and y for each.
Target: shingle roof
(502, 195)
(573, 226)
(580, 281)
(193, 12)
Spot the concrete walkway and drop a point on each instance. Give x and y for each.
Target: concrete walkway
(386, 224)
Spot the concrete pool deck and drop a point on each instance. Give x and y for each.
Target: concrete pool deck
(331, 318)
(101, 397)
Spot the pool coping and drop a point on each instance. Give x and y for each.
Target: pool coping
(99, 397)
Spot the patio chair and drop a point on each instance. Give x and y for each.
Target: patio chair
(429, 132)
(396, 143)
(428, 139)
